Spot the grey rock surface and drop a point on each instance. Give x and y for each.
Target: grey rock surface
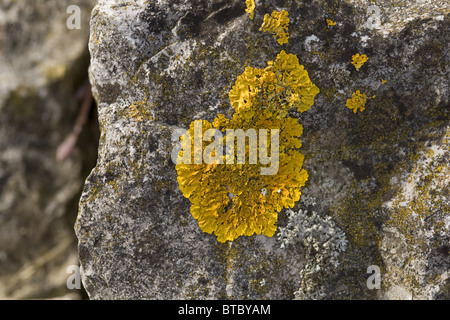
(42, 63)
(380, 175)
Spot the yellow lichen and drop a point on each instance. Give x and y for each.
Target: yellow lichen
(277, 24)
(133, 112)
(357, 101)
(330, 22)
(250, 8)
(235, 199)
(139, 111)
(358, 60)
(282, 85)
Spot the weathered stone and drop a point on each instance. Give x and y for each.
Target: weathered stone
(380, 174)
(42, 63)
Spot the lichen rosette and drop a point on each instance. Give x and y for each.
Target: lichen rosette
(232, 200)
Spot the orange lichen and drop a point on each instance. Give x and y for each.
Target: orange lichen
(277, 24)
(282, 85)
(139, 111)
(330, 22)
(357, 101)
(358, 60)
(233, 199)
(250, 8)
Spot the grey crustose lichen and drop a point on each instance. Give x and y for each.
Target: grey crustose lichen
(322, 241)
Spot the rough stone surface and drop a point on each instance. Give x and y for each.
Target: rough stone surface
(42, 63)
(381, 175)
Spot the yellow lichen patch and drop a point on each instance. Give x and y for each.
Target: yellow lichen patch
(357, 101)
(283, 85)
(383, 81)
(358, 60)
(138, 111)
(133, 112)
(277, 24)
(330, 22)
(250, 8)
(231, 198)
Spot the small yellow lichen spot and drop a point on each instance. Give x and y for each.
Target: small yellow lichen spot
(383, 81)
(357, 101)
(134, 113)
(277, 24)
(358, 60)
(331, 22)
(250, 8)
(138, 111)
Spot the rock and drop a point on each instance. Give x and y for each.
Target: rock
(42, 63)
(379, 176)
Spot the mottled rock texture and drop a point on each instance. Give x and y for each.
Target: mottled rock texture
(42, 63)
(380, 175)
